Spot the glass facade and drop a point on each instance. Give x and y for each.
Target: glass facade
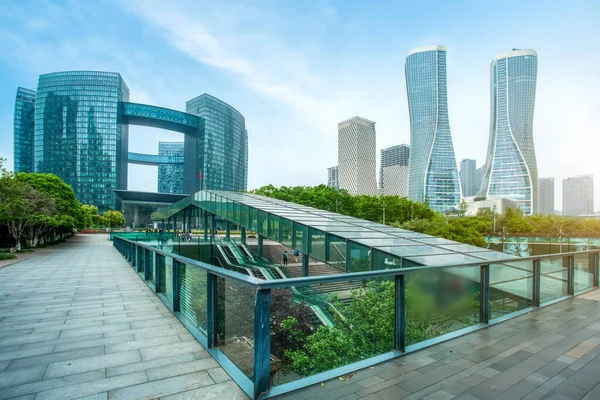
(77, 136)
(433, 176)
(222, 162)
(170, 175)
(24, 130)
(511, 167)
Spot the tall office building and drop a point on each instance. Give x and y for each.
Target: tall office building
(433, 176)
(546, 204)
(395, 181)
(395, 155)
(332, 177)
(511, 164)
(479, 173)
(170, 174)
(77, 136)
(578, 195)
(357, 156)
(223, 162)
(24, 130)
(468, 177)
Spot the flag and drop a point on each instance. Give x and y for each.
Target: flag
(200, 175)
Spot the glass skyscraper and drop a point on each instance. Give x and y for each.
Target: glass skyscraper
(223, 149)
(511, 168)
(170, 176)
(433, 176)
(77, 136)
(24, 130)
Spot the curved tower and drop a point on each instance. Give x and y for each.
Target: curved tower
(511, 168)
(433, 176)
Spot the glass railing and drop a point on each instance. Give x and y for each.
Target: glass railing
(274, 336)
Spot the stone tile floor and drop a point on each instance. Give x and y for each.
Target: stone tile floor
(77, 322)
(552, 353)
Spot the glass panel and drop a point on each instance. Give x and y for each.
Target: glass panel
(511, 286)
(441, 301)
(193, 295)
(300, 232)
(317, 244)
(244, 215)
(286, 232)
(150, 263)
(336, 251)
(262, 223)
(253, 219)
(273, 227)
(584, 278)
(160, 264)
(320, 327)
(140, 259)
(554, 278)
(230, 210)
(235, 324)
(169, 278)
(383, 260)
(236, 214)
(360, 257)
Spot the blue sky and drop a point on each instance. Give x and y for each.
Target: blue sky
(296, 68)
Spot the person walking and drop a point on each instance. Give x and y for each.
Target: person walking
(284, 256)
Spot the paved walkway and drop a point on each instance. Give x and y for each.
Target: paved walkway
(77, 322)
(551, 353)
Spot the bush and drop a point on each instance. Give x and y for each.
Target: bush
(7, 256)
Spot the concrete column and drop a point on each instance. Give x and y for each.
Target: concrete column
(243, 235)
(260, 245)
(205, 225)
(227, 229)
(305, 264)
(136, 216)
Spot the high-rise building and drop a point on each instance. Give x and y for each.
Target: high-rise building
(170, 175)
(468, 177)
(24, 130)
(223, 154)
(479, 173)
(511, 164)
(546, 204)
(332, 177)
(357, 156)
(395, 155)
(77, 136)
(578, 195)
(433, 176)
(395, 180)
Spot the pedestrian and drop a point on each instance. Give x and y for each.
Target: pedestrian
(284, 257)
(296, 254)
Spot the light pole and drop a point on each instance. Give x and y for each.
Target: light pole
(560, 236)
(494, 209)
(383, 208)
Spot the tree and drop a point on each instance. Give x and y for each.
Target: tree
(112, 219)
(91, 217)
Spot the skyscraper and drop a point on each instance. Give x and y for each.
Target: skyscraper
(223, 155)
(511, 165)
(468, 177)
(357, 156)
(395, 155)
(433, 176)
(170, 176)
(24, 130)
(578, 195)
(546, 204)
(332, 177)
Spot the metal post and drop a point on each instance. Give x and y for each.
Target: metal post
(158, 260)
(227, 229)
(211, 309)
(594, 262)
(348, 257)
(213, 226)
(259, 250)
(205, 225)
(243, 235)
(484, 294)
(176, 285)
(570, 275)
(400, 313)
(305, 271)
(147, 264)
(537, 276)
(262, 342)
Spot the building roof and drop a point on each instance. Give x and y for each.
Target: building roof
(149, 197)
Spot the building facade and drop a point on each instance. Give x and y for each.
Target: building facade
(395, 181)
(511, 170)
(80, 133)
(578, 195)
(332, 177)
(433, 176)
(395, 155)
(24, 130)
(170, 175)
(546, 204)
(468, 177)
(223, 150)
(357, 156)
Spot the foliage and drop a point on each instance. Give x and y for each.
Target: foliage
(90, 216)
(112, 219)
(7, 256)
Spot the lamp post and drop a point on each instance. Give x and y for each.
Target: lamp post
(494, 209)
(383, 208)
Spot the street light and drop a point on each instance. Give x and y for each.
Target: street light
(494, 208)
(383, 208)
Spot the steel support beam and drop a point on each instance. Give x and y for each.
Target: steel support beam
(484, 294)
(537, 277)
(262, 342)
(211, 309)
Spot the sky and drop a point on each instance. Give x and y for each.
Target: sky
(295, 69)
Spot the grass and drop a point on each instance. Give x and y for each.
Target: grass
(7, 256)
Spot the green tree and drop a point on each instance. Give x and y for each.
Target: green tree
(91, 217)
(112, 219)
